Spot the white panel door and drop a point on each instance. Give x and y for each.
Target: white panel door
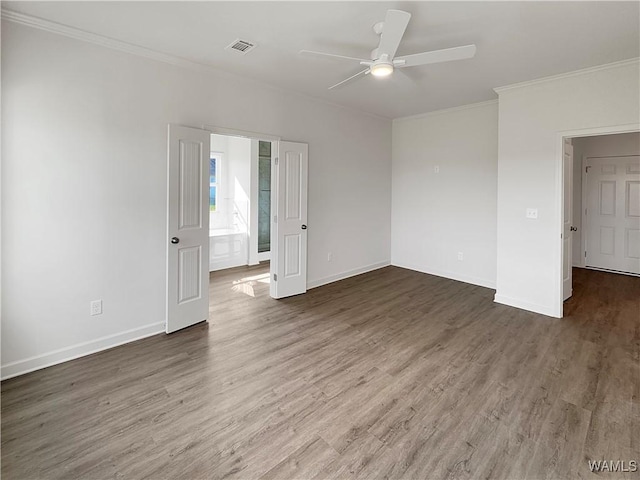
(289, 225)
(187, 227)
(613, 213)
(567, 229)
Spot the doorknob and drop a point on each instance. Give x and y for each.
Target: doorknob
(574, 229)
(175, 240)
(304, 227)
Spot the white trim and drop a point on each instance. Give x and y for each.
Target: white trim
(85, 36)
(264, 256)
(523, 305)
(558, 253)
(604, 130)
(606, 270)
(559, 194)
(275, 152)
(585, 219)
(107, 42)
(254, 195)
(234, 132)
(583, 216)
(62, 355)
(481, 282)
(575, 73)
(350, 273)
(217, 265)
(447, 110)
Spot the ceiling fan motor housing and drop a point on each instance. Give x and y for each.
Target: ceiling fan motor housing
(377, 28)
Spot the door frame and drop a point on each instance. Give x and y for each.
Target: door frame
(569, 241)
(253, 196)
(254, 245)
(559, 194)
(583, 202)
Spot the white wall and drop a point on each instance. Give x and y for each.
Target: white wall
(436, 215)
(84, 186)
(596, 146)
(529, 175)
(239, 179)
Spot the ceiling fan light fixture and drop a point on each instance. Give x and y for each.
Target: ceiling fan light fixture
(381, 69)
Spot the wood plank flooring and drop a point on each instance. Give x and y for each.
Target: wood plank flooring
(392, 374)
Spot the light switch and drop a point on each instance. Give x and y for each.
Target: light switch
(532, 213)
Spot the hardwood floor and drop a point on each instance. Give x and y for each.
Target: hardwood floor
(391, 374)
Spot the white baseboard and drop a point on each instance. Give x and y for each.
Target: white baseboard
(350, 273)
(524, 305)
(481, 282)
(616, 272)
(62, 355)
(224, 264)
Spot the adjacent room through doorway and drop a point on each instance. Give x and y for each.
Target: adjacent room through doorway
(601, 205)
(239, 201)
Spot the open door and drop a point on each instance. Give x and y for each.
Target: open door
(187, 227)
(567, 229)
(289, 220)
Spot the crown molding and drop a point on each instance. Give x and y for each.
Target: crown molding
(111, 43)
(575, 73)
(445, 111)
(83, 35)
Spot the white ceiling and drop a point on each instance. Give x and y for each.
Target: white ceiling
(517, 41)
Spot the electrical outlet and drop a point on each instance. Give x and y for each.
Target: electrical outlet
(460, 256)
(329, 256)
(436, 169)
(532, 213)
(96, 307)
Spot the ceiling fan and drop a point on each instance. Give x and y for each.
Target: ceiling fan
(383, 60)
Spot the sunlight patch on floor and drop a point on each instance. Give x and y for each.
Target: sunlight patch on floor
(245, 285)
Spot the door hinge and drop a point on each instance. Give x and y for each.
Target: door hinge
(585, 254)
(276, 159)
(275, 277)
(586, 169)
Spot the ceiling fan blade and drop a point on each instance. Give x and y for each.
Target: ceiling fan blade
(352, 77)
(403, 79)
(395, 24)
(323, 54)
(436, 56)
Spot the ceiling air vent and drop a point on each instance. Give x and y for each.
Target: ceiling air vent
(241, 46)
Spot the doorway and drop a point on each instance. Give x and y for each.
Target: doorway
(262, 212)
(213, 193)
(240, 201)
(601, 204)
